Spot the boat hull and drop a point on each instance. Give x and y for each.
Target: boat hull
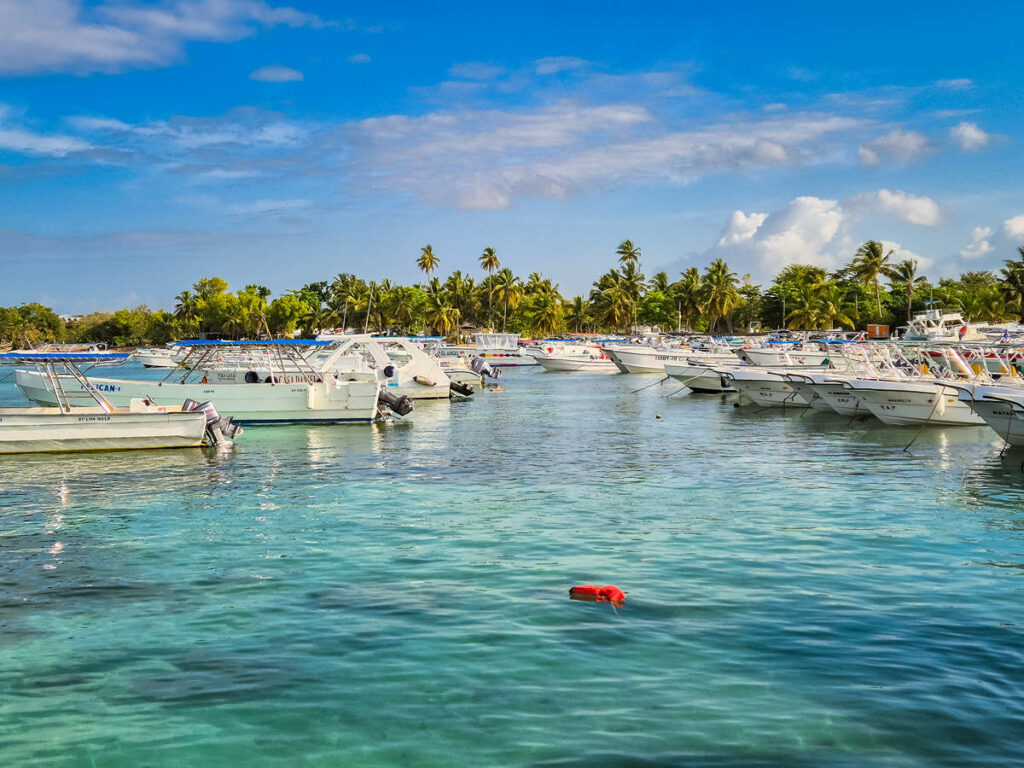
(905, 404)
(637, 359)
(49, 430)
(699, 378)
(766, 389)
(576, 364)
(328, 401)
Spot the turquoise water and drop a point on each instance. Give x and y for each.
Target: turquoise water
(801, 592)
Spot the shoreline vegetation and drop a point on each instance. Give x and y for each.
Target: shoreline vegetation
(871, 288)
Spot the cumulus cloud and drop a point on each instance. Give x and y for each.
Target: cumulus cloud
(359, 58)
(72, 36)
(804, 232)
(741, 227)
(1014, 227)
(969, 137)
(913, 209)
(896, 145)
(273, 73)
(979, 244)
(552, 65)
(955, 84)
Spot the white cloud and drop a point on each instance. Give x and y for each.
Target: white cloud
(1014, 227)
(741, 227)
(476, 70)
(15, 138)
(804, 232)
(72, 36)
(359, 58)
(979, 244)
(955, 84)
(488, 158)
(242, 127)
(552, 65)
(913, 209)
(896, 145)
(969, 137)
(274, 73)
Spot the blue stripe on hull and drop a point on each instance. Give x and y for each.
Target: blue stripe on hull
(245, 422)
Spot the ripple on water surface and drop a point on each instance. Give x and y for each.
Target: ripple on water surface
(802, 591)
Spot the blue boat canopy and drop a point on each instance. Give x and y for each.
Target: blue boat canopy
(57, 357)
(254, 343)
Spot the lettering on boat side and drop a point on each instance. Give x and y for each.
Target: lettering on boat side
(105, 387)
(94, 418)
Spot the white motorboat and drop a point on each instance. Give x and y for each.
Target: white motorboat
(501, 350)
(637, 358)
(764, 387)
(102, 426)
(788, 356)
(700, 374)
(935, 324)
(293, 393)
(825, 391)
(1001, 406)
(574, 358)
(155, 357)
(913, 401)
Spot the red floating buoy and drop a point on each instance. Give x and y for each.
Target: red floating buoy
(594, 594)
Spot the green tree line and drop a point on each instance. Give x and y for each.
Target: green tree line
(872, 288)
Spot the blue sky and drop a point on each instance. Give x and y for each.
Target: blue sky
(146, 144)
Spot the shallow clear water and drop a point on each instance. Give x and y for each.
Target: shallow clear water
(801, 591)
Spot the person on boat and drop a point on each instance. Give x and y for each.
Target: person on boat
(963, 331)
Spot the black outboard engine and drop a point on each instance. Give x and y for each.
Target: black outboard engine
(460, 388)
(482, 367)
(219, 431)
(400, 405)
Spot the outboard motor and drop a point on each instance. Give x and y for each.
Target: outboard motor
(219, 431)
(482, 367)
(461, 389)
(400, 405)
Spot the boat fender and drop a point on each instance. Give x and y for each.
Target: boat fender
(423, 380)
(251, 377)
(594, 594)
(389, 371)
(461, 388)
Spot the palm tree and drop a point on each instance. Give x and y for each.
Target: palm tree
(1012, 282)
(579, 313)
(832, 306)
(689, 297)
(805, 315)
(441, 315)
(427, 261)
(627, 252)
(720, 293)
(904, 274)
(509, 290)
(185, 306)
(870, 262)
(489, 261)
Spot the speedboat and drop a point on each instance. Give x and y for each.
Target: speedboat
(574, 358)
(764, 387)
(700, 375)
(293, 391)
(140, 423)
(913, 401)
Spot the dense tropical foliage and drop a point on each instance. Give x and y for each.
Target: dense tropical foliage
(871, 288)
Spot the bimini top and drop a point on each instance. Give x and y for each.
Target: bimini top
(254, 343)
(62, 357)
